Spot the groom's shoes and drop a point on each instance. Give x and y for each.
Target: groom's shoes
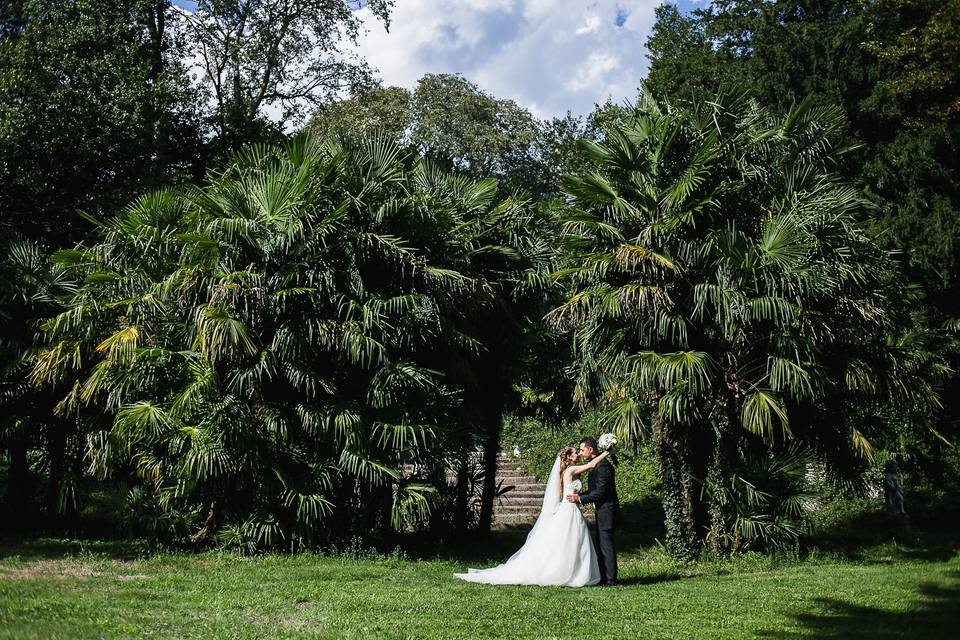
(608, 584)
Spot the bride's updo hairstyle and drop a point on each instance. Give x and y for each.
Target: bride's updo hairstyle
(564, 456)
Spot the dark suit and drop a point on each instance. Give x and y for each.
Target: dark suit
(603, 493)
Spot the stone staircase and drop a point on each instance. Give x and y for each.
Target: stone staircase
(520, 506)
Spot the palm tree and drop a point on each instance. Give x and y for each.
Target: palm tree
(723, 296)
(30, 290)
(272, 347)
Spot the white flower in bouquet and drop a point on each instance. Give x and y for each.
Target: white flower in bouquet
(606, 441)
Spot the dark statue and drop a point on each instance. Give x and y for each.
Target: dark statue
(893, 490)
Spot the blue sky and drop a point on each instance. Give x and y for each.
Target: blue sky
(549, 55)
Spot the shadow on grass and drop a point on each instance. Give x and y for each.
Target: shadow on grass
(648, 580)
(935, 617)
(872, 538)
(55, 548)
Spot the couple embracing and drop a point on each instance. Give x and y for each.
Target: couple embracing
(559, 550)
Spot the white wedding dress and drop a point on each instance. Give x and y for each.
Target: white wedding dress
(558, 550)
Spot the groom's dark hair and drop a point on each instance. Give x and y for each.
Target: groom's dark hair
(590, 442)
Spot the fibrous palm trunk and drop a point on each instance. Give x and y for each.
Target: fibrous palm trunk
(679, 491)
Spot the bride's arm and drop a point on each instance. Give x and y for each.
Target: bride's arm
(590, 465)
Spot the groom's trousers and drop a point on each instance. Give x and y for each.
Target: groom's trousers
(606, 556)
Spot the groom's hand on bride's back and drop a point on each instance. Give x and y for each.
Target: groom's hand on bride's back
(573, 498)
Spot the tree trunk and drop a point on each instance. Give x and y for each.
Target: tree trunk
(493, 396)
(716, 477)
(462, 497)
(493, 418)
(17, 505)
(725, 452)
(156, 27)
(343, 523)
(56, 458)
(678, 491)
(701, 448)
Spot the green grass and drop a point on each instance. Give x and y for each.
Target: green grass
(54, 589)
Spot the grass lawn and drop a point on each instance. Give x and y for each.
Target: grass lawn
(71, 589)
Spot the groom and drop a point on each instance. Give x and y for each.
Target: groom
(603, 493)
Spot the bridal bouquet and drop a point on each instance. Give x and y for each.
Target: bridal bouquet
(606, 441)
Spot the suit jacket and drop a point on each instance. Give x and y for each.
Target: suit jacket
(603, 493)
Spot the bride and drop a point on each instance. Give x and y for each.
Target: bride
(558, 550)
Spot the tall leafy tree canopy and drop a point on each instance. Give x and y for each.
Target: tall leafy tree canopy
(892, 66)
(284, 54)
(96, 108)
(453, 120)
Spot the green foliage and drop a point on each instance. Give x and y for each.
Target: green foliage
(97, 108)
(889, 65)
(723, 292)
(271, 348)
(638, 474)
(258, 54)
(452, 120)
(765, 501)
(892, 67)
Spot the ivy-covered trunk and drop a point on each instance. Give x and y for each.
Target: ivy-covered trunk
(726, 419)
(679, 489)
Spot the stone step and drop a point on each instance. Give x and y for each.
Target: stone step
(518, 512)
(516, 509)
(519, 508)
(529, 499)
(517, 487)
(520, 505)
(526, 489)
(507, 509)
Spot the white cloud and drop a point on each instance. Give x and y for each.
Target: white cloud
(592, 72)
(590, 26)
(549, 55)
